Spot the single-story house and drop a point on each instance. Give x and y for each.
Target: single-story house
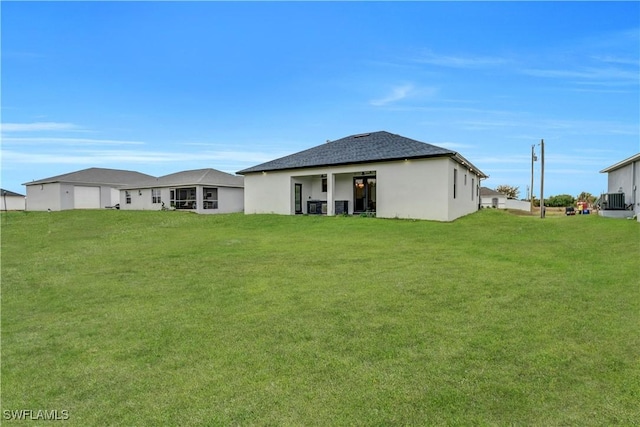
(205, 191)
(492, 199)
(623, 179)
(10, 201)
(375, 173)
(91, 188)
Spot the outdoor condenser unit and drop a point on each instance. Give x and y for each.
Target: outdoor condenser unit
(614, 201)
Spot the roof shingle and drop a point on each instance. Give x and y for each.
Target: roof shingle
(361, 148)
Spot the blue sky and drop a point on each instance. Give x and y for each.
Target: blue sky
(160, 87)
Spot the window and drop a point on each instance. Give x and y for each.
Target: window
(210, 198)
(324, 185)
(465, 179)
(155, 195)
(127, 195)
(455, 181)
(183, 198)
(473, 187)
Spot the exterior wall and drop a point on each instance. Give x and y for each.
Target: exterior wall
(41, 197)
(269, 192)
(413, 189)
(230, 199)
(141, 200)
(66, 196)
(465, 202)
(419, 189)
(59, 196)
(626, 178)
(311, 190)
(14, 203)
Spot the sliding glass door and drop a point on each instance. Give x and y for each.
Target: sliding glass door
(364, 194)
(298, 198)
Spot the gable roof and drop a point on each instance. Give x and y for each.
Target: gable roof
(10, 193)
(623, 163)
(361, 148)
(191, 177)
(113, 177)
(486, 191)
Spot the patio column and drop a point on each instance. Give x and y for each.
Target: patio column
(331, 206)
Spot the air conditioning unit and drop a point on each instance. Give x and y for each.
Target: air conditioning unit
(342, 207)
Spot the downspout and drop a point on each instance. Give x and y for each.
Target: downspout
(634, 186)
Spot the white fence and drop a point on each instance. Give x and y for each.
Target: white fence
(521, 205)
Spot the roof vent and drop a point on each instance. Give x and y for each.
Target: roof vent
(362, 135)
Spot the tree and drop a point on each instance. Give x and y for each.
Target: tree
(560, 201)
(586, 197)
(508, 190)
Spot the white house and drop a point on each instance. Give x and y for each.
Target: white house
(91, 188)
(379, 172)
(622, 194)
(205, 191)
(10, 201)
(492, 199)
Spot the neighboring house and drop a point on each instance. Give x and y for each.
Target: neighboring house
(622, 188)
(206, 191)
(10, 201)
(91, 188)
(379, 172)
(492, 199)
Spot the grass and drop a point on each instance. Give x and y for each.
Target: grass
(170, 318)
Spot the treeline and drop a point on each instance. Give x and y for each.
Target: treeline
(565, 200)
(558, 201)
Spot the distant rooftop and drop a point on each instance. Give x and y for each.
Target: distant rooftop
(486, 191)
(191, 177)
(114, 177)
(10, 193)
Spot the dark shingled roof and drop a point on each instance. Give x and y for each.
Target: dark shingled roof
(361, 148)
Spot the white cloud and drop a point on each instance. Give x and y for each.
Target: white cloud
(452, 145)
(452, 61)
(133, 156)
(397, 93)
(66, 141)
(37, 127)
(607, 76)
(402, 92)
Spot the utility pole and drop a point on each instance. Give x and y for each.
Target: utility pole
(542, 178)
(533, 159)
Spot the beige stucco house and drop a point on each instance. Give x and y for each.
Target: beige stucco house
(204, 191)
(91, 188)
(378, 173)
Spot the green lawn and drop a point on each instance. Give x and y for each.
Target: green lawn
(170, 318)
